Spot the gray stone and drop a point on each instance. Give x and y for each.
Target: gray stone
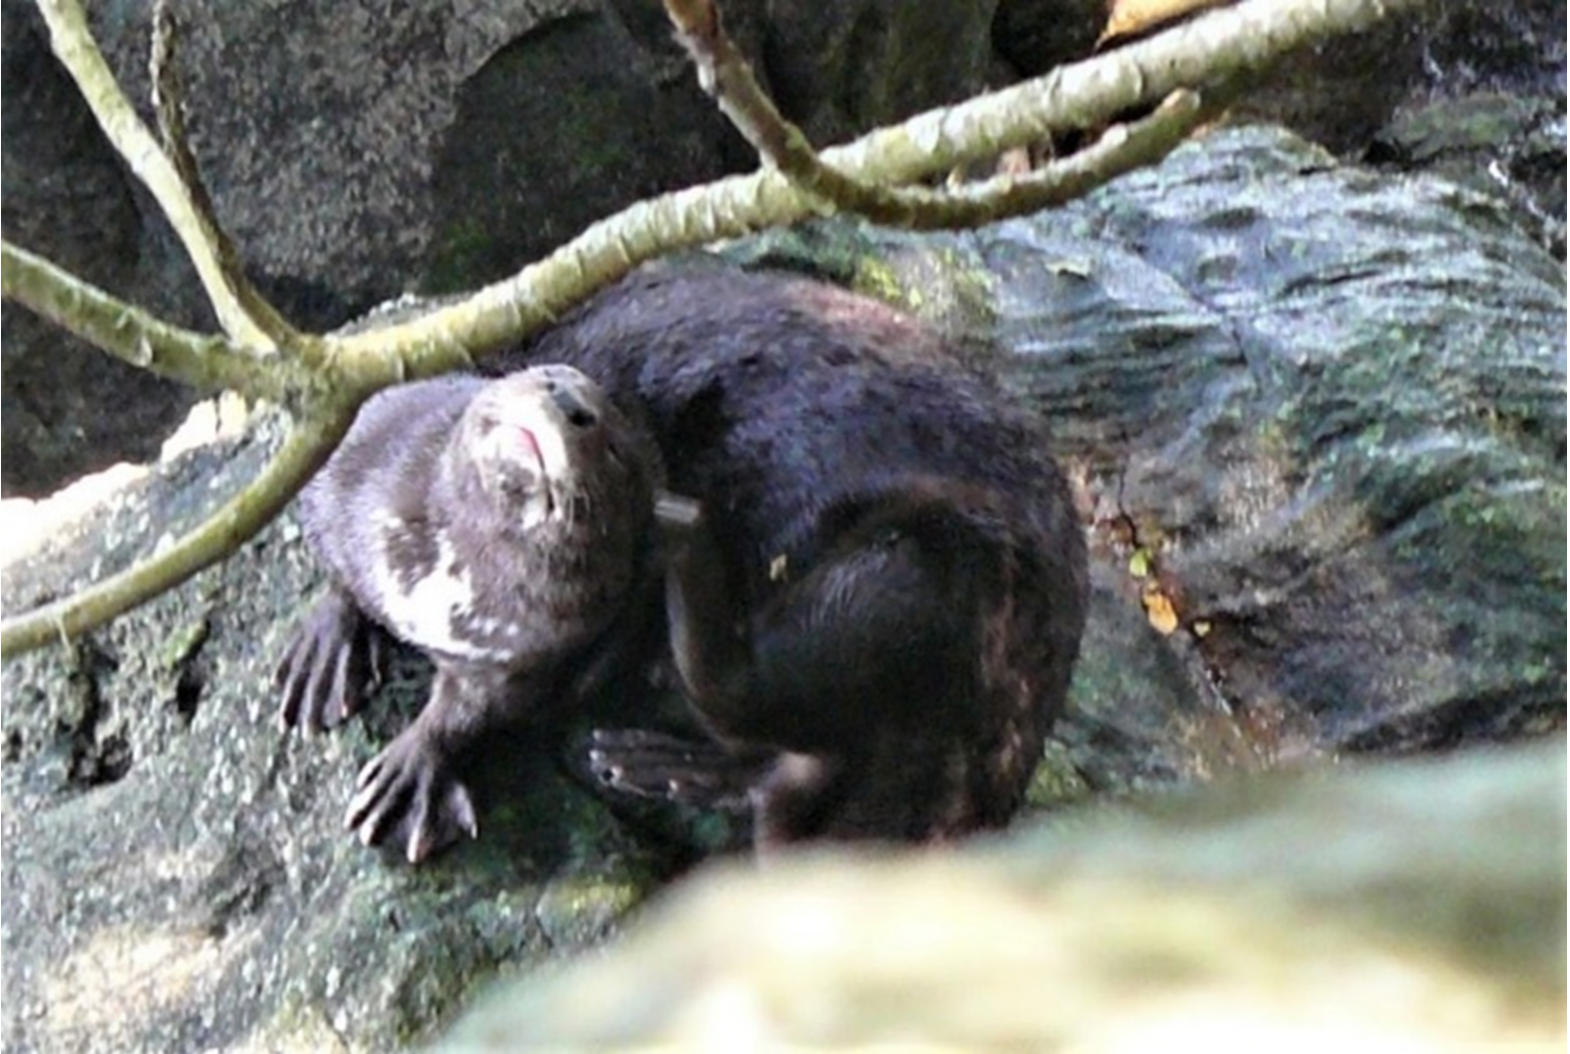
(1415, 906)
(1325, 405)
(1312, 394)
(358, 150)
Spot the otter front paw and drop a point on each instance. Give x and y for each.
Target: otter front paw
(689, 772)
(409, 794)
(331, 666)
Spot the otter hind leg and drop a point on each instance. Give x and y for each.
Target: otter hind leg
(689, 772)
(900, 792)
(332, 664)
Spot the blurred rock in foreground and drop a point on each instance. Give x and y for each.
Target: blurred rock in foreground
(1411, 906)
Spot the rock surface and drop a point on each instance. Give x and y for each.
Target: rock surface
(1320, 411)
(1411, 907)
(357, 150)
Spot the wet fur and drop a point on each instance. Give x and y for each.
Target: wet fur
(888, 532)
(444, 524)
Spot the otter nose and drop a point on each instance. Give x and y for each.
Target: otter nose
(577, 412)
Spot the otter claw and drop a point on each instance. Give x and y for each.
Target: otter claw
(333, 663)
(649, 764)
(408, 794)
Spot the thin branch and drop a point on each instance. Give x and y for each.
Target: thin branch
(169, 105)
(303, 452)
(329, 376)
(1214, 49)
(1217, 48)
(74, 46)
(199, 359)
(1121, 149)
(726, 75)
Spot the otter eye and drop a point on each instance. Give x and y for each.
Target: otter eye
(573, 408)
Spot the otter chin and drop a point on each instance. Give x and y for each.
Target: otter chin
(499, 526)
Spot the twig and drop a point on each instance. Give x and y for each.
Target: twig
(134, 335)
(1121, 149)
(169, 105)
(74, 46)
(725, 74)
(240, 518)
(1217, 48)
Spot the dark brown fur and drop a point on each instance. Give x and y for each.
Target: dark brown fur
(885, 596)
(501, 527)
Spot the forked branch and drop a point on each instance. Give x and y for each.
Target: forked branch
(726, 75)
(323, 379)
(74, 46)
(238, 520)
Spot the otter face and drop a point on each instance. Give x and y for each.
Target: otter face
(533, 439)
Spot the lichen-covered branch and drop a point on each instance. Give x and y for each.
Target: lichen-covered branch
(240, 518)
(169, 104)
(326, 377)
(726, 75)
(1215, 49)
(201, 360)
(74, 46)
(1121, 149)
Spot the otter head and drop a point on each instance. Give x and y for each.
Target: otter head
(537, 441)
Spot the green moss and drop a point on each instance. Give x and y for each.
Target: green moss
(1057, 782)
(459, 257)
(874, 277)
(579, 911)
(182, 643)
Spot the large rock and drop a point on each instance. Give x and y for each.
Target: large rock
(1418, 907)
(357, 150)
(1313, 396)
(1320, 410)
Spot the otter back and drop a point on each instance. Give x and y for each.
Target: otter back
(887, 592)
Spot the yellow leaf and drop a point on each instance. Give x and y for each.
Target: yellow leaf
(1159, 610)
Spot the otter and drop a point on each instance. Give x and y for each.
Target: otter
(874, 611)
(497, 525)
(876, 615)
